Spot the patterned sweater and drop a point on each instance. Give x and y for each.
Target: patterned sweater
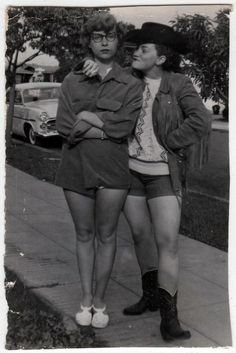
(147, 156)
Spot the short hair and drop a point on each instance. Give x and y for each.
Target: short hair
(102, 21)
(173, 59)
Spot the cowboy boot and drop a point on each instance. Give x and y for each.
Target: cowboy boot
(149, 299)
(170, 326)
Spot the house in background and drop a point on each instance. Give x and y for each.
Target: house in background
(28, 72)
(23, 75)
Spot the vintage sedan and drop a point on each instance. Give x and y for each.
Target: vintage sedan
(35, 108)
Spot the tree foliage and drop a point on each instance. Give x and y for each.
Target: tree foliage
(208, 60)
(49, 30)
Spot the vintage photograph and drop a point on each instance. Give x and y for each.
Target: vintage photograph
(117, 176)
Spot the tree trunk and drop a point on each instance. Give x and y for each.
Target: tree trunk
(10, 114)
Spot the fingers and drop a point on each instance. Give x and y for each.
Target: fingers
(90, 68)
(75, 137)
(75, 140)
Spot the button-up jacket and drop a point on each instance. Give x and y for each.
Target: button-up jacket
(117, 100)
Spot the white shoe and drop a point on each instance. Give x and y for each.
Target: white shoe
(100, 319)
(84, 317)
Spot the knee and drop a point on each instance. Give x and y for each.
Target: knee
(169, 245)
(84, 235)
(141, 234)
(105, 235)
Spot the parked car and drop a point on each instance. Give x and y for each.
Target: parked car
(35, 108)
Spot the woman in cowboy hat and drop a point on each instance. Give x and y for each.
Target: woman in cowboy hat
(168, 137)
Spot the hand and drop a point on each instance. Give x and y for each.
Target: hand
(77, 132)
(90, 68)
(85, 116)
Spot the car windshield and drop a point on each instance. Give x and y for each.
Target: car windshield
(35, 94)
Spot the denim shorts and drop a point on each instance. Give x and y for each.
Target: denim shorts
(150, 186)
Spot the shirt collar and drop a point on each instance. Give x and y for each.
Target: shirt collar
(116, 73)
(165, 86)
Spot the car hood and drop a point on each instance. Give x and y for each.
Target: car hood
(48, 106)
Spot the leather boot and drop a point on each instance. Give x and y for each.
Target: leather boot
(150, 297)
(170, 327)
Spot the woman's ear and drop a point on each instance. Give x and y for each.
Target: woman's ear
(160, 60)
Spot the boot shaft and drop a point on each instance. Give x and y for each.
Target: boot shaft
(149, 281)
(170, 325)
(168, 305)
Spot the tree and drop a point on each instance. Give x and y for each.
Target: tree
(208, 60)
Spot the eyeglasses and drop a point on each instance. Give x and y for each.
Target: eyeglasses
(97, 37)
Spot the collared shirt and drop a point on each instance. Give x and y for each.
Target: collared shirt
(117, 100)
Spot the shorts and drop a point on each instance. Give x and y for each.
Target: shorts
(91, 193)
(106, 166)
(150, 186)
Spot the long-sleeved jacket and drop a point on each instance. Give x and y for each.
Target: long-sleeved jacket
(181, 124)
(117, 100)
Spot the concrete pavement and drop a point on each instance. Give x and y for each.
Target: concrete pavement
(40, 249)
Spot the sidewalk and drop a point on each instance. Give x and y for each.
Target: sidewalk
(40, 248)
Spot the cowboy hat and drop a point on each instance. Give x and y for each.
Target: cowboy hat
(158, 33)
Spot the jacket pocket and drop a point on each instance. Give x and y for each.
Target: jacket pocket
(108, 104)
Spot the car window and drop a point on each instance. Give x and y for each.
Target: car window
(35, 94)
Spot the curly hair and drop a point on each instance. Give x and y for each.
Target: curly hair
(173, 59)
(103, 21)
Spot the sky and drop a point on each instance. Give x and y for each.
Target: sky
(139, 14)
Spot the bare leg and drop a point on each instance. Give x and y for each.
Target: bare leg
(166, 213)
(137, 214)
(82, 212)
(109, 203)
(138, 217)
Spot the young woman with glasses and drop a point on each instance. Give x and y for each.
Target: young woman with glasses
(94, 173)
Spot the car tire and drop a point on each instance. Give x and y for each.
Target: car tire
(31, 136)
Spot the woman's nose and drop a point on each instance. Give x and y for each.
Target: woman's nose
(104, 41)
(136, 52)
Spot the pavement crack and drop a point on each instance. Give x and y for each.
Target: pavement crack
(44, 286)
